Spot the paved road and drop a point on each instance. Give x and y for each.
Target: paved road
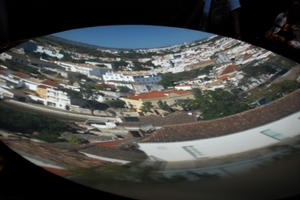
(59, 114)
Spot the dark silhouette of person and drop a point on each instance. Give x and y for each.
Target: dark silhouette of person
(285, 29)
(220, 17)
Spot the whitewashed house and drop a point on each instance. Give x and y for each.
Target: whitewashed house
(58, 99)
(144, 77)
(183, 87)
(50, 51)
(86, 69)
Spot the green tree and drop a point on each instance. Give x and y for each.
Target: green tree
(101, 65)
(71, 81)
(67, 107)
(67, 57)
(277, 90)
(218, 103)
(197, 92)
(100, 87)
(253, 71)
(147, 107)
(149, 63)
(163, 105)
(118, 64)
(123, 89)
(87, 97)
(18, 121)
(183, 103)
(137, 66)
(221, 103)
(75, 140)
(168, 79)
(116, 104)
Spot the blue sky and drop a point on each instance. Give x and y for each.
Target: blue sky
(132, 36)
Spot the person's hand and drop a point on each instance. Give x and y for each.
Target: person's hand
(269, 35)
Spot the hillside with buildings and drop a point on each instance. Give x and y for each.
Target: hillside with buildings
(128, 106)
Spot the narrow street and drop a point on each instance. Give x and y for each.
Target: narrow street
(58, 114)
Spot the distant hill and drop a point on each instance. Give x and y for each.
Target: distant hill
(80, 44)
(52, 37)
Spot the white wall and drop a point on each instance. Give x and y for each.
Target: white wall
(129, 85)
(74, 68)
(105, 158)
(106, 125)
(225, 145)
(59, 98)
(183, 87)
(31, 86)
(117, 77)
(4, 56)
(71, 87)
(148, 78)
(35, 98)
(131, 78)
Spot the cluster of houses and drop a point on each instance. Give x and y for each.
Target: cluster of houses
(230, 56)
(21, 87)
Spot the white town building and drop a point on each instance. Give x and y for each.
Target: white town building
(144, 77)
(50, 51)
(58, 99)
(86, 69)
(183, 87)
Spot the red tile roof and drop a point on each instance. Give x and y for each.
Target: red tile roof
(48, 151)
(232, 124)
(246, 56)
(229, 69)
(50, 83)
(110, 85)
(42, 86)
(122, 153)
(20, 75)
(158, 121)
(223, 77)
(109, 143)
(157, 94)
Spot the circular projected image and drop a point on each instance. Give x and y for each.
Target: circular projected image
(150, 112)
